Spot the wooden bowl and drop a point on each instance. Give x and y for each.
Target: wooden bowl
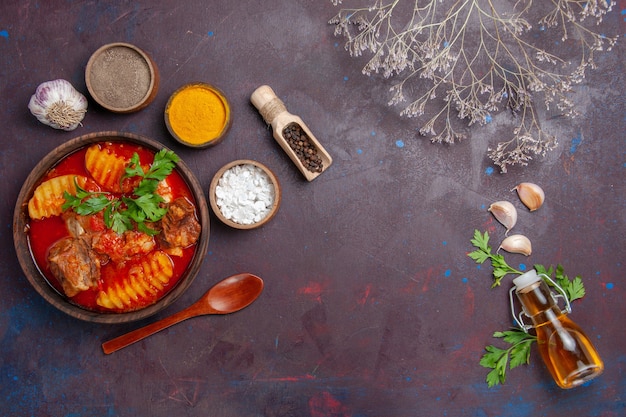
(22, 240)
(216, 208)
(121, 78)
(206, 112)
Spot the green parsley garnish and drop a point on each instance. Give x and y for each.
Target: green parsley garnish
(93, 202)
(483, 252)
(518, 353)
(140, 207)
(574, 288)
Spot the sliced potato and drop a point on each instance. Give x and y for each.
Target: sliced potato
(158, 269)
(48, 197)
(142, 285)
(105, 167)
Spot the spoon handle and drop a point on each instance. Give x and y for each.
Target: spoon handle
(143, 332)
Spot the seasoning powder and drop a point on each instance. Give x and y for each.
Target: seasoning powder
(197, 114)
(245, 194)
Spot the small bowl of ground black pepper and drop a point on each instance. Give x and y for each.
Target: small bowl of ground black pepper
(122, 78)
(198, 115)
(244, 194)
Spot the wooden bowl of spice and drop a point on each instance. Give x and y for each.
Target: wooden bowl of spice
(122, 78)
(245, 194)
(198, 115)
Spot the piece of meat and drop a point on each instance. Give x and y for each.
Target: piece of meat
(165, 191)
(77, 225)
(120, 248)
(179, 226)
(74, 265)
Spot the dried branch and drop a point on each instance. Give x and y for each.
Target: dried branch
(480, 57)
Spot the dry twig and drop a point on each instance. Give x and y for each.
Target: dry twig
(479, 57)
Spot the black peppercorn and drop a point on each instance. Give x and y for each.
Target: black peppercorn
(304, 148)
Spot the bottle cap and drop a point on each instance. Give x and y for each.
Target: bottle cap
(526, 279)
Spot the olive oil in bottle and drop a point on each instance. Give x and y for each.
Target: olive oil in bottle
(567, 352)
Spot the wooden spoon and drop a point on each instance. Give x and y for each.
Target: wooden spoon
(232, 294)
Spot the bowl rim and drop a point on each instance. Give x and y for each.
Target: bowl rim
(152, 89)
(34, 274)
(227, 123)
(213, 199)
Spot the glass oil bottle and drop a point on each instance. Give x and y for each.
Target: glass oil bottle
(567, 352)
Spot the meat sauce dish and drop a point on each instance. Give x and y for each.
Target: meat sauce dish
(112, 227)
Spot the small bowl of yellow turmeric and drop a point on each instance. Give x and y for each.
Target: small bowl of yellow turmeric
(198, 115)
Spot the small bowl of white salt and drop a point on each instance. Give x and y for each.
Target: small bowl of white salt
(244, 194)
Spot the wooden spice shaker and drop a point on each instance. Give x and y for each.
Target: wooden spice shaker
(274, 112)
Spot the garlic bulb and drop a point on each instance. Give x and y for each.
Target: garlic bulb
(57, 103)
(505, 213)
(517, 244)
(531, 195)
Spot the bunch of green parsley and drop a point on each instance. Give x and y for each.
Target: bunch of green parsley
(520, 342)
(139, 208)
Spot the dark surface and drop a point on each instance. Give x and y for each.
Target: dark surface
(371, 306)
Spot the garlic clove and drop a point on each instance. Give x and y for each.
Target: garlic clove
(531, 195)
(58, 104)
(517, 244)
(505, 213)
